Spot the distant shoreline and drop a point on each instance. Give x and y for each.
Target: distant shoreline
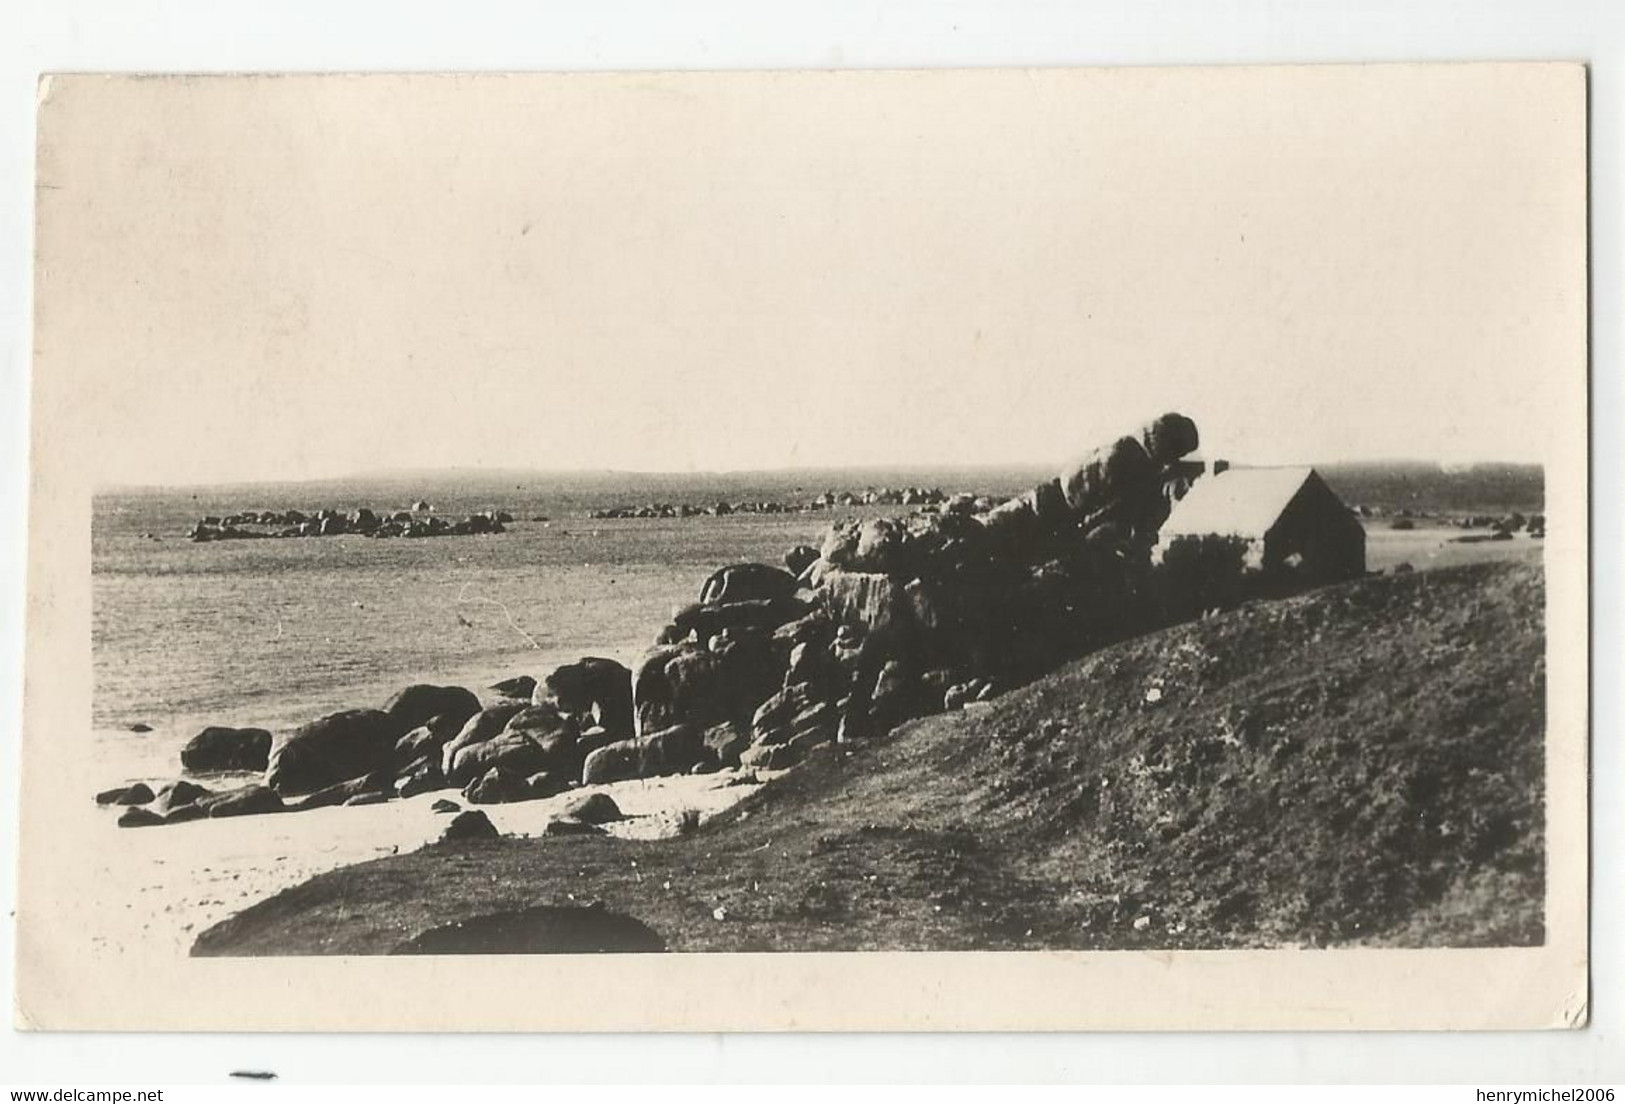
(586, 477)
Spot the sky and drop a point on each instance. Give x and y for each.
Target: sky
(287, 278)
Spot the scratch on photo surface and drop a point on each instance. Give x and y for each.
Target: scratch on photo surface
(463, 598)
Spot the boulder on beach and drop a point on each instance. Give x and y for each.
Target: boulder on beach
(417, 704)
(332, 749)
(444, 805)
(670, 751)
(137, 817)
(591, 688)
(743, 582)
(497, 786)
(340, 793)
(218, 748)
(176, 794)
(424, 776)
(138, 794)
(594, 808)
(252, 800)
(470, 824)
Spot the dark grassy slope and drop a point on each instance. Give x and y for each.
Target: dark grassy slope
(1361, 764)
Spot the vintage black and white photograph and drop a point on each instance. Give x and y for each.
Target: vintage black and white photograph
(606, 515)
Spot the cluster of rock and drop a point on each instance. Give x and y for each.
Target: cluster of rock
(252, 525)
(894, 618)
(1534, 525)
(888, 619)
(884, 496)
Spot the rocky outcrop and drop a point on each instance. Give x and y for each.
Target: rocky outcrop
(217, 748)
(535, 739)
(889, 618)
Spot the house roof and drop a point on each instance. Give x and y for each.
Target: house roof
(1243, 502)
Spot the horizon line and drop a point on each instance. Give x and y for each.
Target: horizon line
(945, 467)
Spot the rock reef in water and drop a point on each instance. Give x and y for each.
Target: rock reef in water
(268, 524)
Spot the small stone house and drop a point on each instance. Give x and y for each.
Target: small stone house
(1293, 523)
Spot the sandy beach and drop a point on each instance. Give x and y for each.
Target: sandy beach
(163, 885)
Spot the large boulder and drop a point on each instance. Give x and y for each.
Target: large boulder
(332, 749)
(481, 726)
(747, 582)
(217, 748)
(592, 687)
(1170, 437)
(417, 704)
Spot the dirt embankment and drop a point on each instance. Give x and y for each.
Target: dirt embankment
(1363, 764)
